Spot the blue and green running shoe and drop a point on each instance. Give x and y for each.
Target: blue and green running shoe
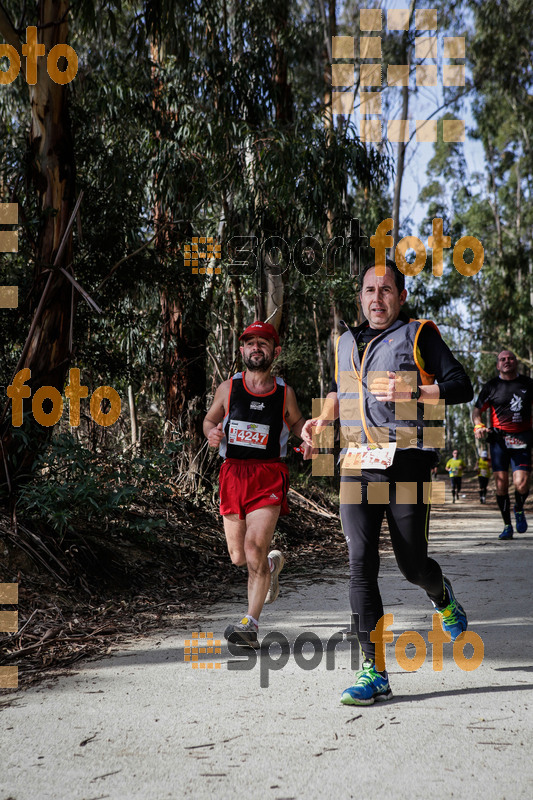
(369, 687)
(521, 521)
(507, 532)
(453, 615)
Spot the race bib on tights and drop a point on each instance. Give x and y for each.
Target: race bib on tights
(514, 443)
(369, 456)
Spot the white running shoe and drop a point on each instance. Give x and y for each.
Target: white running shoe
(278, 560)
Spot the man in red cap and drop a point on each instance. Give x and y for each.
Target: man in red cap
(249, 421)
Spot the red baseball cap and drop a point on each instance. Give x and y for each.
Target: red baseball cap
(264, 329)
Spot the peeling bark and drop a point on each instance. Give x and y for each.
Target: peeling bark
(53, 175)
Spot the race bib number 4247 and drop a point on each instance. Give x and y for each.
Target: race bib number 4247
(248, 434)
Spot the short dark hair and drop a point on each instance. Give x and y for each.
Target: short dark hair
(399, 277)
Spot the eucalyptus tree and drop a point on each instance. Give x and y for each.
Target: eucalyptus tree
(185, 119)
(95, 129)
(494, 307)
(242, 151)
(503, 75)
(50, 166)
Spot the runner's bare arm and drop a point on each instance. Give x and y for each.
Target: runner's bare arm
(476, 416)
(330, 411)
(480, 428)
(213, 419)
(293, 416)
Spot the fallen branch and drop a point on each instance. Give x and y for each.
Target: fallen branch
(316, 508)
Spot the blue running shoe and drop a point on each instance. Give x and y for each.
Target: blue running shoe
(369, 687)
(453, 615)
(507, 532)
(521, 521)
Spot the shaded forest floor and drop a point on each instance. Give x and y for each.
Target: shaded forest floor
(80, 597)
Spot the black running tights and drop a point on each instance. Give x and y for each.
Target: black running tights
(408, 525)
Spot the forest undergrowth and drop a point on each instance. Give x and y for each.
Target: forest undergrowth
(105, 546)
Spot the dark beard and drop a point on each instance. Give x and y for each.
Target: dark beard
(258, 364)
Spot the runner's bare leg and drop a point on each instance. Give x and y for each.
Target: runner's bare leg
(501, 479)
(235, 530)
(521, 480)
(260, 527)
(248, 543)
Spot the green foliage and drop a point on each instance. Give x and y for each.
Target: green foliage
(196, 118)
(76, 489)
(493, 308)
(481, 315)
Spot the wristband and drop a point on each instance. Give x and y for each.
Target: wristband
(416, 395)
(478, 426)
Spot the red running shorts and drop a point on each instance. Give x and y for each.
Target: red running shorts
(248, 484)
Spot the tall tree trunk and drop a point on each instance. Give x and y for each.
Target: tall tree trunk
(320, 360)
(48, 350)
(400, 166)
(402, 146)
(273, 281)
(330, 30)
(184, 374)
(282, 87)
(183, 325)
(133, 417)
(494, 204)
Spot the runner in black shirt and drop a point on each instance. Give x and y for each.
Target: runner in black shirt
(249, 420)
(509, 398)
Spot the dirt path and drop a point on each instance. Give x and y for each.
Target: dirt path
(144, 724)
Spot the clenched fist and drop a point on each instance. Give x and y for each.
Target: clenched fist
(215, 435)
(389, 389)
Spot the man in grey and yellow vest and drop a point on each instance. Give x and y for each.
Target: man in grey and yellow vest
(391, 375)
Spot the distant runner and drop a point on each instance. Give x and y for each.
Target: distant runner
(483, 475)
(509, 398)
(249, 421)
(454, 467)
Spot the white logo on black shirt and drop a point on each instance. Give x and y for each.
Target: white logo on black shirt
(516, 403)
(256, 406)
